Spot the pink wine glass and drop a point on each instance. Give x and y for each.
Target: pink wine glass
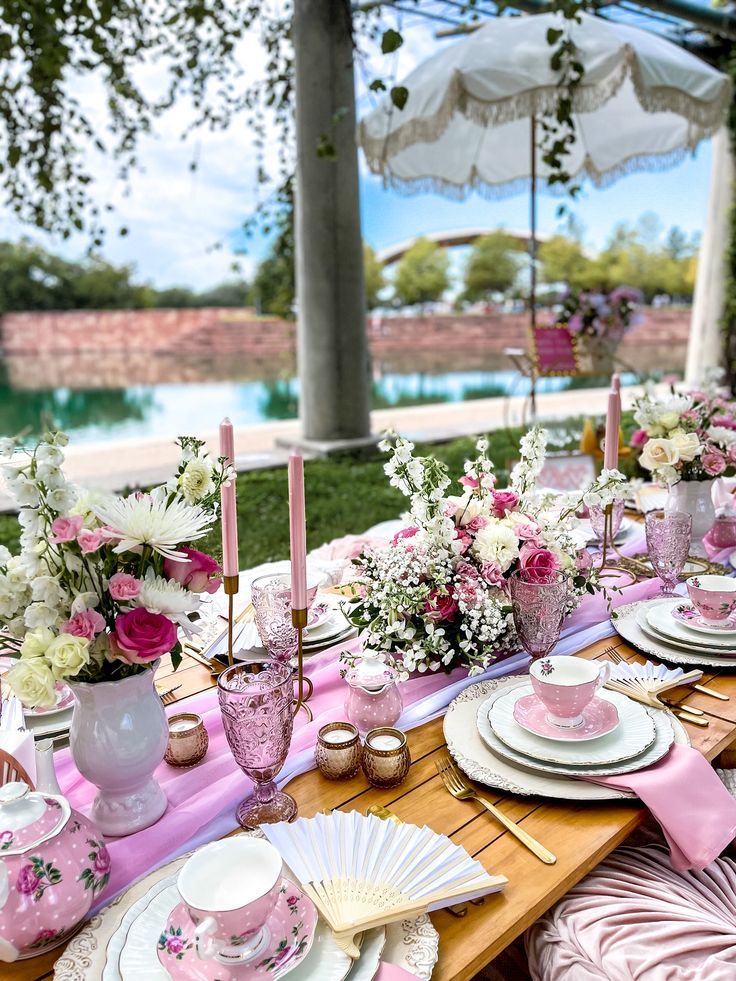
(668, 541)
(539, 605)
(256, 702)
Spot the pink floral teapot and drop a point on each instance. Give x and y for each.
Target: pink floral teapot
(53, 863)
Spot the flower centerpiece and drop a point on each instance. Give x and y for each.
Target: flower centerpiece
(685, 441)
(599, 321)
(101, 589)
(436, 597)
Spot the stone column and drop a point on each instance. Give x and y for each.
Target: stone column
(332, 341)
(705, 346)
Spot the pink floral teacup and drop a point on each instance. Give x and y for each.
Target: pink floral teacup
(230, 887)
(714, 597)
(566, 685)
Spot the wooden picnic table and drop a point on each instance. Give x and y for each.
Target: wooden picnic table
(579, 834)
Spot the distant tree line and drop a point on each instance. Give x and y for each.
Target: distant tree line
(640, 255)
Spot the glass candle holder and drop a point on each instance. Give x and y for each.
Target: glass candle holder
(338, 751)
(386, 758)
(188, 740)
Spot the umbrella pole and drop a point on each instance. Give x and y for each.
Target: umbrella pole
(533, 252)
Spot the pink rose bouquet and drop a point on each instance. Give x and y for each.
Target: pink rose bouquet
(102, 584)
(437, 596)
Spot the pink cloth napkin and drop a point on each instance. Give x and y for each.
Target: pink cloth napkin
(696, 812)
(392, 972)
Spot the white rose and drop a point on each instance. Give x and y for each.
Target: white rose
(40, 615)
(497, 543)
(36, 642)
(196, 480)
(33, 682)
(659, 453)
(669, 420)
(68, 655)
(688, 446)
(468, 507)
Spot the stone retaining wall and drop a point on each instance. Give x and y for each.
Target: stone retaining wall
(226, 332)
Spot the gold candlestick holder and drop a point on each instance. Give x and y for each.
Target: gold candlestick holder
(231, 584)
(299, 620)
(611, 559)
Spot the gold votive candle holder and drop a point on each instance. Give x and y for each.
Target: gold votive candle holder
(338, 751)
(386, 757)
(188, 740)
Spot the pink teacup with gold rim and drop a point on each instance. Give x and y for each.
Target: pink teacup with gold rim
(567, 685)
(229, 888)
(714, 597)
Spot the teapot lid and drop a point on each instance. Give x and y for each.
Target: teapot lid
(27, 818)
(371, 672)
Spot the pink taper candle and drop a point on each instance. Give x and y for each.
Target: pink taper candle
(613, 424)
(229, 505)
(298, 531)
(616, 382)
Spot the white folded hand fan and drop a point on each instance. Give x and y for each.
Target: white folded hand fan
(646, 681)
(362, 872)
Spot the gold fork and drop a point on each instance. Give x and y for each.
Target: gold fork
(459, 787)
(168, 697)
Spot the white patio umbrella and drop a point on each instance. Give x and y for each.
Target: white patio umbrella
(470, 121)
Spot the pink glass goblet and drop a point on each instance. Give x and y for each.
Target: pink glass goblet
(271, 599)
(668, 542)
(539, 603)
(256, 701)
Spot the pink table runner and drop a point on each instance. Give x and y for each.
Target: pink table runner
(202, 800)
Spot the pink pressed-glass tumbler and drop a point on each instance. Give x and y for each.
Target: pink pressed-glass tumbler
(256, 702)
(539, 604)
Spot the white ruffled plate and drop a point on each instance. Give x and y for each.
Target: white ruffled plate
(631, 624)
(660, 620)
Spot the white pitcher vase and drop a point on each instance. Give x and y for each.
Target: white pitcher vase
(694, 497)
(118, 737)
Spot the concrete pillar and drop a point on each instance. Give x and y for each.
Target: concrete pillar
(705, 346)
(332, 341)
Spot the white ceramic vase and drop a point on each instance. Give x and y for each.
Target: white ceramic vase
(695, 497)
(118, 737)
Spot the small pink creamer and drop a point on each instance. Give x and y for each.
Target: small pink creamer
(53, 863)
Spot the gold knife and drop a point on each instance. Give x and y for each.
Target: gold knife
(709, 691)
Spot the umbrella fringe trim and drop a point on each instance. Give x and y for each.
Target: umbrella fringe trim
(706, 117)
(496, 192)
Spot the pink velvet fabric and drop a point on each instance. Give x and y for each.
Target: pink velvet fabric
(636, 919)
(695, 811)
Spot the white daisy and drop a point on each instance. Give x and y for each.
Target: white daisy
(148, 519)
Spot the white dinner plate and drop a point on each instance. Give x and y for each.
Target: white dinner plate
(664, 737)
(634, 733)
(479, 763)
(662, 622)
(631, 624)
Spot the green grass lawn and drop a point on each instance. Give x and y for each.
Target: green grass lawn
(345, 494)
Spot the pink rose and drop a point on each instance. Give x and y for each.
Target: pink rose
(174, 945)
(141, 636)
(201, 574)
(102, 862)
(539, 564)
(440, 606)
(409, 532)
(65, 529)
(504, 501)
(475, 524)
(714, 462)
(491, 572)
(528, 531)
(84, 624)
(91, 540)
(27, 882)
(638, 438)
(124, 587)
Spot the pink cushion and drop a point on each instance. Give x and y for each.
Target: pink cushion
(636, 918)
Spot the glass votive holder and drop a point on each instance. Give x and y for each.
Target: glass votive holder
(723, 532)
(338, 751)
(188, 740)
(386, 758)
